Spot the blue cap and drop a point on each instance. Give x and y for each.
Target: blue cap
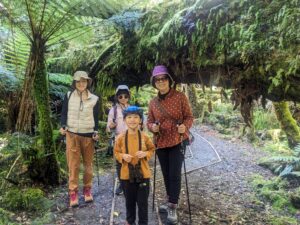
(133, 110)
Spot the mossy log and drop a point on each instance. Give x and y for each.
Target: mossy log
(287, 123)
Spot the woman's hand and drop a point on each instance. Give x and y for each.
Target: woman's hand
(95, 137)
(181, 129)
(112, 125)
(140, 154)
(127, 157)
(63, 131)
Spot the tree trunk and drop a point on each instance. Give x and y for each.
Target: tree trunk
(26, 104)
(288, 123)
(41, 95)
(42, 167)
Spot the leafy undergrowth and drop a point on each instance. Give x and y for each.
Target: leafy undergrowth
(279, 196)
(23, 201)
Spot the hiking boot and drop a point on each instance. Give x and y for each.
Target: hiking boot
(172, 214)
(119, 190)
(87, 194)
(163, 208)
(73, 198)
(129, 223)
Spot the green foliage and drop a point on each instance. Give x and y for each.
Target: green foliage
(57, 78)
(18, 142)
(214, 42)
(16, 53)
(8, 82)
(264, 119)
(224, 116)
(31, 199)
(59, 85)
(283, 220)
(276, 148)
(143, 96)
(273, 191)
(5, 217)
(288, 165)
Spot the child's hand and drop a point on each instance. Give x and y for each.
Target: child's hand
(181, 129)
(127, 158)
(140, 154)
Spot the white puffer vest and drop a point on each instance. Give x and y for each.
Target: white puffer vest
(81, 120)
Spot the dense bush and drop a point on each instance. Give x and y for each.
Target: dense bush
(31, 199)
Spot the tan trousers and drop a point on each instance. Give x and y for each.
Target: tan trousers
(77, 146)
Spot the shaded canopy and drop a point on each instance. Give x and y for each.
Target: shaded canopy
(250, 46)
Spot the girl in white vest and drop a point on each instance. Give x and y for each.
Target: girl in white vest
(79, 122)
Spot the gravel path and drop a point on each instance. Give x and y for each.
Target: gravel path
(219, 174)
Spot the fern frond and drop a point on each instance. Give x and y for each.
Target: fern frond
(287, 170)
(285, 159)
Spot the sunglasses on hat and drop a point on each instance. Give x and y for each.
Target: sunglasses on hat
(123, 96)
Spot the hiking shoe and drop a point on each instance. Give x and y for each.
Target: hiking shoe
(119, 190)
(87, 194)
(129, 223)
(163, 208)
(73, 198)
(172, 214)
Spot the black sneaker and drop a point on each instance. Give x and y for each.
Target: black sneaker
(119, 190)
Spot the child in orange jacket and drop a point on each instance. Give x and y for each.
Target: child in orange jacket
(133, 149)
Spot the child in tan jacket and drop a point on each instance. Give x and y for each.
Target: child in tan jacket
(133, 149)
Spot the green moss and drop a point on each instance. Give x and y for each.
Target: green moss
(31, 199)
(277, 147)
(288, 123)
(5, 217)
(283, 220)
(13, 199)
(274, 192)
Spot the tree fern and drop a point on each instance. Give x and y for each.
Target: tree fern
(288, 164)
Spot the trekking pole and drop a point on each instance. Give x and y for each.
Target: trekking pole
(115, 167)
(154, 178)
(154, 173)
(97, 165)
(183, 148)
(186, 182)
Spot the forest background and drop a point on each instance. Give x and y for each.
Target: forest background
(237, 61)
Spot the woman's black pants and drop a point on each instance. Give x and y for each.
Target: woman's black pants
(170, 160)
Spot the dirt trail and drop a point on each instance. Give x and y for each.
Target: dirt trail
(219, 173)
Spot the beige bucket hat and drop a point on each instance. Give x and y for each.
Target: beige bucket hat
(81, 74)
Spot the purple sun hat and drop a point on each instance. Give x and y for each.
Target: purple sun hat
(160, 70)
